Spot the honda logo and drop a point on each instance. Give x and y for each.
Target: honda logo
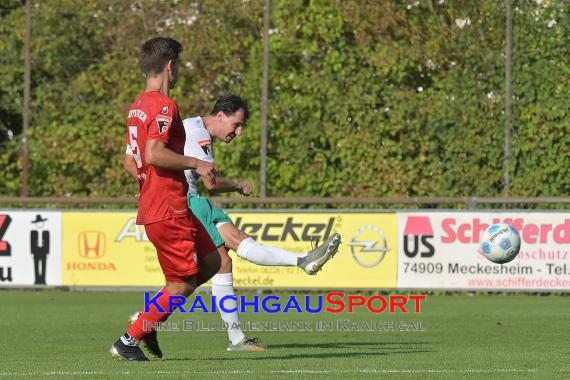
(92, 244)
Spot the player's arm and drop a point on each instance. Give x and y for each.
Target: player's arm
(157, 154)
(130, 163)
(198, 145)
(224, 185)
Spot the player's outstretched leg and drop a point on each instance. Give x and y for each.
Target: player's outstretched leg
(150, 340)
(249, 249)
(314, 260)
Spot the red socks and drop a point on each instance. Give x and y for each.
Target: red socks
(147, 321)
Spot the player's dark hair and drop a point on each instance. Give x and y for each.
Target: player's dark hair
(156, 52)
(229, 105)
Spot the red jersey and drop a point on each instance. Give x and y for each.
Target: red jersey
(154, 116)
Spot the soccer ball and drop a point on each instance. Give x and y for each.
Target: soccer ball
(133, 317)
(500, 243)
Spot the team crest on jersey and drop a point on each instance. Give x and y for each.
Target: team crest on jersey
(163, 123)
(206, 146)
(164, 110)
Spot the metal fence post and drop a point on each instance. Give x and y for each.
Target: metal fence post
(26, 106)
(264, 101)
(508, 97)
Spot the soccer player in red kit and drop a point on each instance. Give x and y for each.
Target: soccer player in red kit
(185, 251)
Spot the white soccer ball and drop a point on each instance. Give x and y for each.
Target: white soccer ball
(500, 243)
(133, 317)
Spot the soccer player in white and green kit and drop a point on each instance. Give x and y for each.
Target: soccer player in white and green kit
(226, 122)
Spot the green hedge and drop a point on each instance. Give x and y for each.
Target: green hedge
(367, 99)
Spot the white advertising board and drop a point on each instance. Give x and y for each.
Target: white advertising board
(439, 250)
(30, 248)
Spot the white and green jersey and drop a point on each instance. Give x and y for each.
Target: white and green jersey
(198, 145)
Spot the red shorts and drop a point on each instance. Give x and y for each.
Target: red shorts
(180, 243)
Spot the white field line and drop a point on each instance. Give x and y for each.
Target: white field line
(268, 372)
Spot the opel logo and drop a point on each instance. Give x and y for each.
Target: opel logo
(368, 246)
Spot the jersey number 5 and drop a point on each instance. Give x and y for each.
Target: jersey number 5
(135, 146)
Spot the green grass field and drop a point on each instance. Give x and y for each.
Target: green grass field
(59, 334)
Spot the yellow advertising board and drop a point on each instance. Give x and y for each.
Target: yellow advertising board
(367, 257)
(109, 249)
